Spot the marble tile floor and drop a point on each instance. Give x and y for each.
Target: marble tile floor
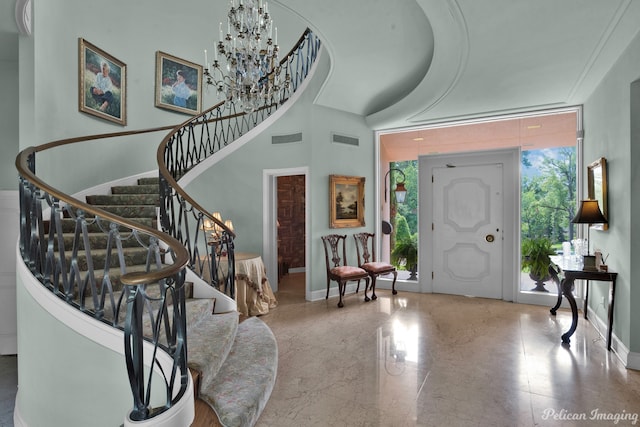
(440, 360)
(429, 360)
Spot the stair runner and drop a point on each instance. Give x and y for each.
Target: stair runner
(237, 361)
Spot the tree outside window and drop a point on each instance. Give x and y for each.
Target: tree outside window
(404, 217)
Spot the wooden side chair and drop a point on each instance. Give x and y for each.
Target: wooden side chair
(337, 268)
(366, 249)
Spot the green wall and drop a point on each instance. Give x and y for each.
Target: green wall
(79, 368)
(611, 131)
(235, 185)
(8, 124)
(132, 32)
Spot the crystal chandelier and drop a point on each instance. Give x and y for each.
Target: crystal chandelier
(252, 76)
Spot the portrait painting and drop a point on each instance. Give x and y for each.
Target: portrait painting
(102, 84)
(178, 84)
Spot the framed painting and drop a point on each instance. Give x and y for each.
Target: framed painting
(178, 84)
(346, 201)
(597, 188)
(102, 84)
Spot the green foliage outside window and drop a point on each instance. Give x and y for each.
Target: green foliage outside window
(404, 241)
(548, 195)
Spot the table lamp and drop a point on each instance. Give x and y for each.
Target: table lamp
(589, 213)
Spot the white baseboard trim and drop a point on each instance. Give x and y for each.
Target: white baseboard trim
(629, 359)
(297, 270)
(633, 361)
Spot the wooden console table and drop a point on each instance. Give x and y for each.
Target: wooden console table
(567, 285)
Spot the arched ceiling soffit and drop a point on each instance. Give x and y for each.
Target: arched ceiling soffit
(509, 56)
(450, 57)
(380, 50)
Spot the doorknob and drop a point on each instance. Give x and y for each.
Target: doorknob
(489, 238)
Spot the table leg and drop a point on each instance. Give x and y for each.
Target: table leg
(559, 301)
(586, 298)
(612, 292)
(567, 286)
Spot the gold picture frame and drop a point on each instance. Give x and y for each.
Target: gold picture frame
(102, 84)
(178, 84)
(346, 201)
(597, 188)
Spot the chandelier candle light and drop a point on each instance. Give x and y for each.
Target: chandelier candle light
(252, 76)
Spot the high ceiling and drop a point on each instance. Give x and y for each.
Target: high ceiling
(410, 62)
(406, 64)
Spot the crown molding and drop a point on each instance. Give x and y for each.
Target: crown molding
(23, 16)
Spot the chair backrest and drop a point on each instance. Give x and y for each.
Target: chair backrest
(335, 250)
(365, 247)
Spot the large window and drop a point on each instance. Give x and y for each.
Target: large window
(548, 203)
(404, 218)
(548, 199)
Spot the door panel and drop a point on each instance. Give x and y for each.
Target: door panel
(467, 230)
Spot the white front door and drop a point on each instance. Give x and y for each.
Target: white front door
(468, 223)
(467, 228)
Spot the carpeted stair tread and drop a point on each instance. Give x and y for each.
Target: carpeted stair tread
(124, 199)
(245, 381)
(136, 189)
(132, 256)
(209, 341)
(69, 225)
(149, 180)
(197, 309)
(99, 240)
(131, 211)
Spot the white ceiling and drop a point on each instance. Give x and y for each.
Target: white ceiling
(410, 62)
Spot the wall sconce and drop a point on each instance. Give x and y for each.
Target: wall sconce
(589, 213)
(401, 191)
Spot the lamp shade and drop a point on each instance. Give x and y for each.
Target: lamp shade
(589, 213)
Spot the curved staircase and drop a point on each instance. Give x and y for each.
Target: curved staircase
(235, 362)
(123, 257)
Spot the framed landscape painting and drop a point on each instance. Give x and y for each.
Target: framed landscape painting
(346, 201)
(102, 84)
(178, 84)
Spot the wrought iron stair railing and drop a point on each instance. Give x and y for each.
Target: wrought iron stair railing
(202, 137)
(149, 307)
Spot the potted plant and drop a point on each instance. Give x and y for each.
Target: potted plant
(407, 250)
(535, 259)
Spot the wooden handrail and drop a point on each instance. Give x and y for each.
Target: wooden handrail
(181, 254)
